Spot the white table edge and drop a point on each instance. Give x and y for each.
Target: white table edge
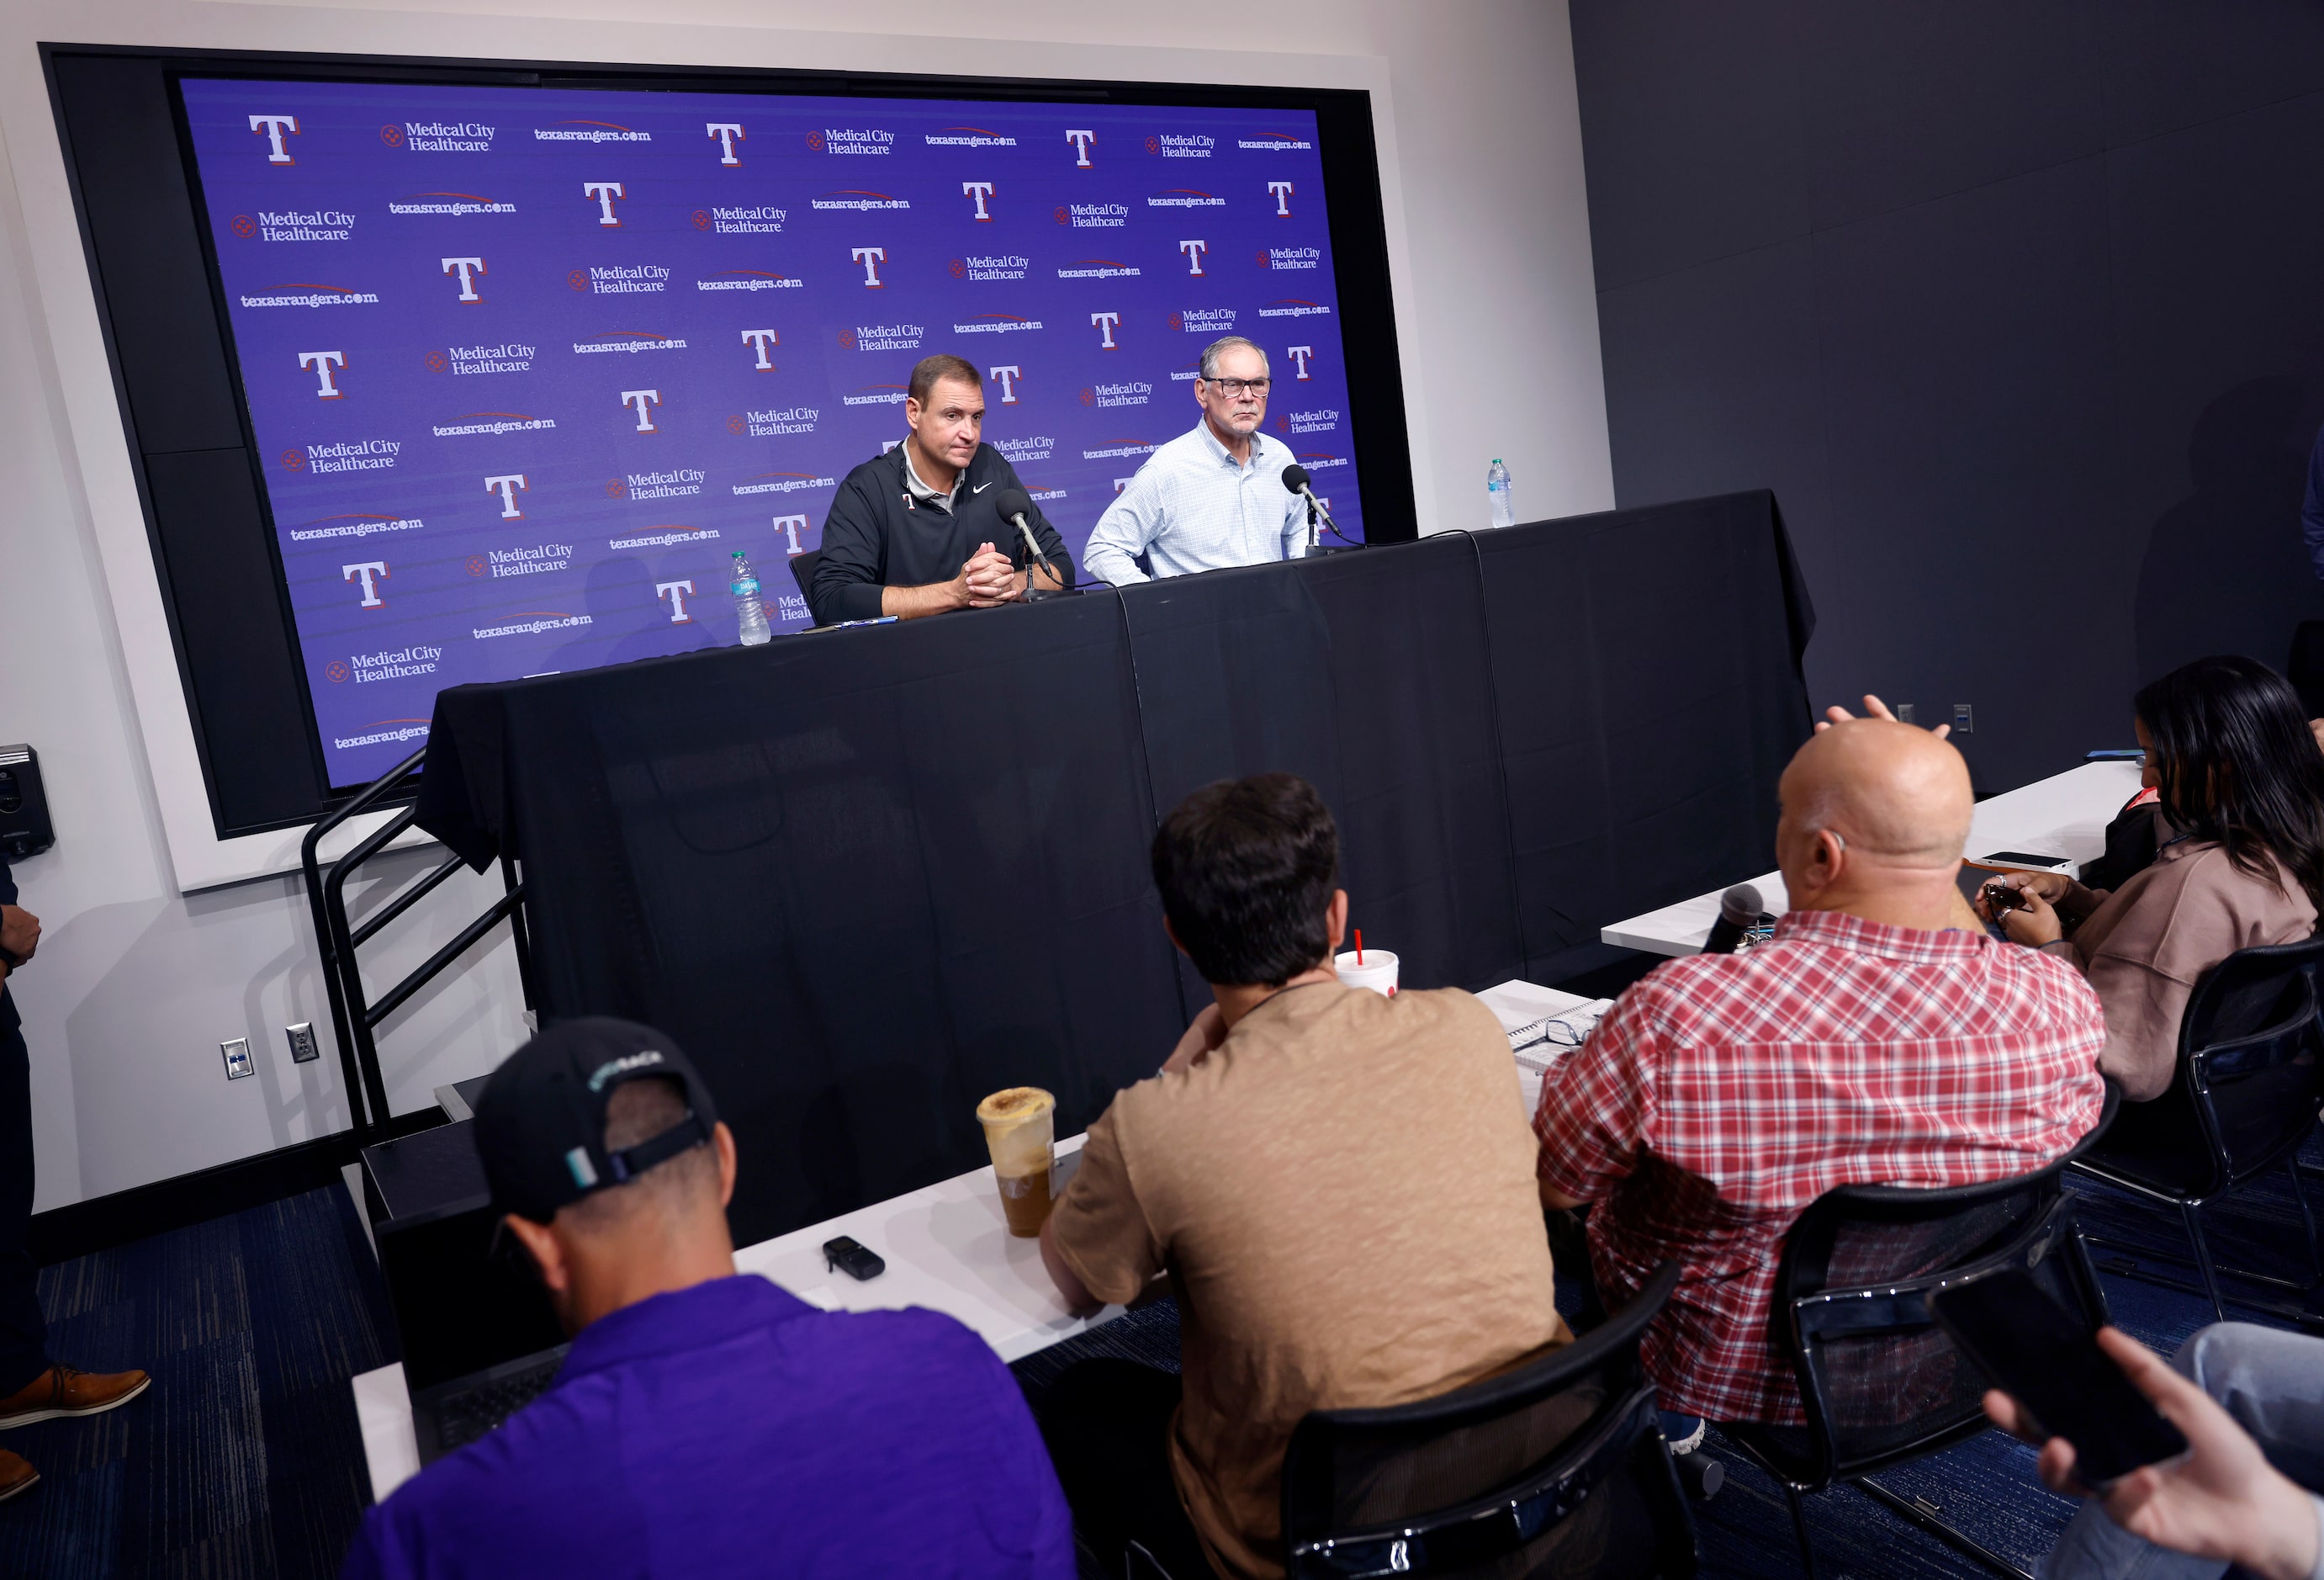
(2110, 783)
(383, 1403)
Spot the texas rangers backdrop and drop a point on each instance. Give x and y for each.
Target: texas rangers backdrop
(529, 365)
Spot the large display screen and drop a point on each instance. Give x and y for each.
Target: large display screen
(525, 365)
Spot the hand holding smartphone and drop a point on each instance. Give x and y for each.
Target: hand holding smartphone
(2220, 1500)
(2038, 1352)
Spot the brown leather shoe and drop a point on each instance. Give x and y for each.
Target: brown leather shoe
(16, 1475)
(60, 1390)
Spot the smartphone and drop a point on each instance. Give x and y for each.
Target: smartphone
(854, 1258)
(2001, 897)
(2033, 1348)
(2024, 860)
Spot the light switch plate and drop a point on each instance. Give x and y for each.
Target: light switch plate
(238, 1058)
(302, 1043)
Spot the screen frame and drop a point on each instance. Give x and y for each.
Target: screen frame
(247, 797)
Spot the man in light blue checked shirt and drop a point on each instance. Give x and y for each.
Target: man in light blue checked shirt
(1211, 498)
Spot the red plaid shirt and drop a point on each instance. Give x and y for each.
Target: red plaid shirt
(1724, 1093)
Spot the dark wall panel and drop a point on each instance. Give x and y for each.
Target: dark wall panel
(1657, 72)
(2171, 64)
(2022, 325)
(2220, 314)
(1906, 102)
(1712, 372)
(1968, 412)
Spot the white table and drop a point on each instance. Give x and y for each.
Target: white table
(2067, 814)
(1522, 1003)
(946, 1247)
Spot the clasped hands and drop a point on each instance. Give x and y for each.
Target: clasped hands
(987, 580)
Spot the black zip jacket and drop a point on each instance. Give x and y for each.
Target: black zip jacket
(878, 535)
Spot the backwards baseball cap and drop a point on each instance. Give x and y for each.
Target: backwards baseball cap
(540, 1120)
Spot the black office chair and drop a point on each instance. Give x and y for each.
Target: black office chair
(1881, 1382)
(1557, 1469)
(803, 572)
(2242, 1099)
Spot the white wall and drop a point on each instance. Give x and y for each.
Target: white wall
(137, 982)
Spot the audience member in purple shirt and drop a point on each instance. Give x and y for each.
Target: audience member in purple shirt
(706, 1423)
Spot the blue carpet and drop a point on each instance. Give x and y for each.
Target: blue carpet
(245, 1458)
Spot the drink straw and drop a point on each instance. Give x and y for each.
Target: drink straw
(1360, 946)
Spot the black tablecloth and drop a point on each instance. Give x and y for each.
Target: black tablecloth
(866, 876)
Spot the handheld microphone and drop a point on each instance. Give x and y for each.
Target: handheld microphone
(1739, 912)
(1014, 506)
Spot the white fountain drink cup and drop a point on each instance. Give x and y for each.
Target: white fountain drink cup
(1378, 972)
(1021, 1127)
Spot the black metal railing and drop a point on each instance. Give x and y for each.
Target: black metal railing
(356, 1016)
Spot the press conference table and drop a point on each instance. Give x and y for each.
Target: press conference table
(2066, 815)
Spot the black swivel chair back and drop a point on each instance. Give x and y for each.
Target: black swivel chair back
(2241, 1101)
(1557, 1469)
(803, 572)
(1881, 1383)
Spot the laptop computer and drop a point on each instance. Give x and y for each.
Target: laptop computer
(480, 1341)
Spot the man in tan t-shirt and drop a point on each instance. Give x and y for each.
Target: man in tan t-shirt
(1339, 1185)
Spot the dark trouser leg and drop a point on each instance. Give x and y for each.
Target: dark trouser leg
(1569, 1250)
(24, 1331)
(1107, 1424)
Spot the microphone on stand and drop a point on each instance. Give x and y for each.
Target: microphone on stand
(1014, 505)
(1295, 478)
(1738, 912)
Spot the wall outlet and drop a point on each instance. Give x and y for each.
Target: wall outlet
(1964, 719)
(238, 1058)
(1904, 713)
(302, 1043)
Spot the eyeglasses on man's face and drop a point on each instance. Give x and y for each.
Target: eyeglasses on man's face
(1232, 388)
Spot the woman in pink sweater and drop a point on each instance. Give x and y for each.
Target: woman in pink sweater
(2242, 863)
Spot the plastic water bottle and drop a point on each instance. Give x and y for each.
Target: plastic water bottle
(745, 588)
(1497, 489)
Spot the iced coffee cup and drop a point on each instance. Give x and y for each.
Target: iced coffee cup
(1021, 1127)
(1375, 969)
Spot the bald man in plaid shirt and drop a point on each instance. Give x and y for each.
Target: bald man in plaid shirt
(1881, 1036)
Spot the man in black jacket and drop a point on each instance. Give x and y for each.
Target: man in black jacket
(32, 1388)
(918, 531)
